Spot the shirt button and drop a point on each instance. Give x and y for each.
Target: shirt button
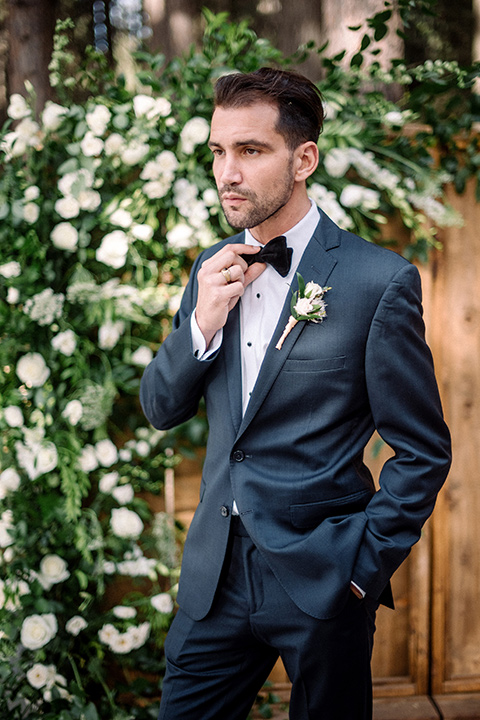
(249, 344)
(238, 455)
(224, 511)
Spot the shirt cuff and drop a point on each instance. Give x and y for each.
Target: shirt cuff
(198, 341)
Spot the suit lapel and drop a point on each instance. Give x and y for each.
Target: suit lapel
(233, 364)
(315, 265)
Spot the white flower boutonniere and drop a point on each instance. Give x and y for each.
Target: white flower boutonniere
(307, 304)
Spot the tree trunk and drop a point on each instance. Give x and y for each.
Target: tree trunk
(30, 25)
(174, 25)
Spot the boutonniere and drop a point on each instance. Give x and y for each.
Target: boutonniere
(307, 304)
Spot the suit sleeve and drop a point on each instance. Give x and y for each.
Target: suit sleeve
(407, 413)
(172, 383)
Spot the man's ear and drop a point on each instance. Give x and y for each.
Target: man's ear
(306, 160)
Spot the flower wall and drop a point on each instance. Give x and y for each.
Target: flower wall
(104, 203)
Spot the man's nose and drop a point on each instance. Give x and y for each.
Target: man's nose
(230, 172)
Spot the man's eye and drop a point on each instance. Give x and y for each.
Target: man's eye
(251, 151)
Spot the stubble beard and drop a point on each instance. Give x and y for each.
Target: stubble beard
(263, 208)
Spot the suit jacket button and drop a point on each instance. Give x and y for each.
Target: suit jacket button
(224, 511)
(238, 455)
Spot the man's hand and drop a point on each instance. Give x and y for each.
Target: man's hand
(216, 296)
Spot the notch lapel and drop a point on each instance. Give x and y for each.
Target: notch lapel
(316, 265)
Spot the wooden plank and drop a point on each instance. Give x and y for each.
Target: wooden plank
(415, 708)
(459, 707)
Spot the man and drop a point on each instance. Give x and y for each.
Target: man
(291, 549)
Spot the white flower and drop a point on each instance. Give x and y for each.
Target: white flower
(108, 482)
(98, 119)
(106, 452)
(13, 416)
(11, 269)
(31, 193)
(121, 217)
(31, 212)
(142, 448)
(41, 675)
(126, 523)
(88, 459)
(45, 306)
(72, 183)
(138, 635)
(13, 295)
(304, 306)
(156, 189)
(38, 630)
(124, 613)
(337, 161)
(121, 643)
(46, 459)
(65, 342)
(9, 482)
(395, 118)
(195, 131)
(181, 237)
(142, 356)
(32, 370)
(151, 108)
(91, 145)
(53, 570)
(109, 334)
(114, 144)
(52, 116)
(64, 236)
(89, 199)
(75, 625)
(73, 412)
(123, 494)
(6, 524)
(142, 104)
(134, 153)
(327, 200)
(107, 633)
(313, 290)
(113, 249)
(359, 196)
(210, 197)
(18, 107)
(162, 602)
(67, 207)
(142, 232)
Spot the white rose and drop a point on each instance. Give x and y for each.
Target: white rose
(31, 212)
(337, 162)
(106, 452)
(142, 356)
(138, 635)
(124, 613)
(53, 570)
(107, 633)
(210, 197)
(10, 269)
(108, 482)
(88, 459)
(142, 104)
(156, 189)
(64, 236)
(352, 196)
(6, 524)
(181, 237)
(313, 290)
(31, 193)
(123, 494)
(142, 232)
(18, 107)
(13, 296)
(38, 630)
(9, 482)
(32, 370)
(303, 306)
(65, 342)
(114, 144)
(89, 199)
(40, 675)
(98, 119)
(126, 523)
(142, 448)
(113, 249)
(162, 602)
(195, 131)
(73, 412)
(121, 217)
(109, 334)
(395, 118)
(52, 116)
(13, 416)
(75, 625)
(46, 459)
(91, 145)
(67, 207)
(27, 130)
(134, 153)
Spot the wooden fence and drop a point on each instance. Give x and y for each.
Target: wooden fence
(426, 660)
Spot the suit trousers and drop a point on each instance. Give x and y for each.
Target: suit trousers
(216, 666)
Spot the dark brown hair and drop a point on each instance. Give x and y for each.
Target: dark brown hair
(298, 100)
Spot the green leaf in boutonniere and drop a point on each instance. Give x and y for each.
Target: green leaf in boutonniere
(307, 304)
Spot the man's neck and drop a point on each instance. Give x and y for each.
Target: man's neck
(286, 218)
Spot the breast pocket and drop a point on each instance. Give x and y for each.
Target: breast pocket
(314, 365)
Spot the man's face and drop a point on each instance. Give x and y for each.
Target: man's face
(252, 165)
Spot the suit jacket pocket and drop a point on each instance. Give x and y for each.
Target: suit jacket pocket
(314, 364)
(307, 515)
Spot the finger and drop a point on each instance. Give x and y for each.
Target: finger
(253, 272)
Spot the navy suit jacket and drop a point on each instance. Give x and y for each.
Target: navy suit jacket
(294, 462)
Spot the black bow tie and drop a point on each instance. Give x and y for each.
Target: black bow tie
(276, 253)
